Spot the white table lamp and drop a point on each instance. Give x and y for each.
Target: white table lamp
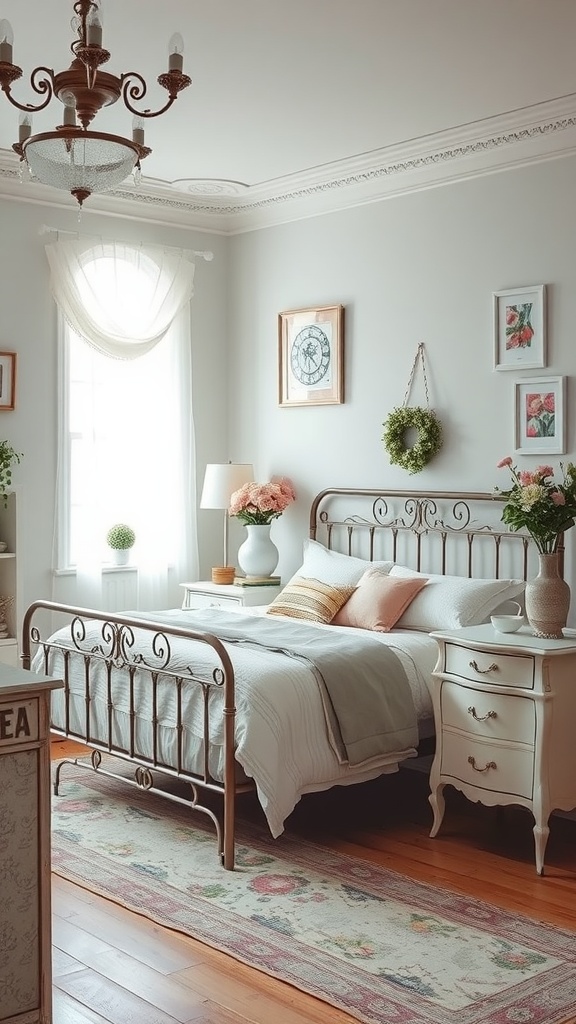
(220, 482)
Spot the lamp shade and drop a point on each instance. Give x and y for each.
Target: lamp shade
(221, 480)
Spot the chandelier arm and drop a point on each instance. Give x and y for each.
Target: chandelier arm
(137, 91)
(40, 85)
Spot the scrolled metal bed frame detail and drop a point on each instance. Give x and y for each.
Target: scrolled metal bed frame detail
(375, 518)
(117, 651)
(444, 514)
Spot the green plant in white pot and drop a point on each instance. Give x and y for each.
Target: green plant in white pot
(120, 538)
(8, 456)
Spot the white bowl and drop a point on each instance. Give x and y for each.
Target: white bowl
(506, 623)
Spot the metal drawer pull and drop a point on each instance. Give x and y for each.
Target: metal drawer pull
(472, 761)
(483, 671)
(483, 718)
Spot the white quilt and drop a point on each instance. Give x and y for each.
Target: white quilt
(281, 736)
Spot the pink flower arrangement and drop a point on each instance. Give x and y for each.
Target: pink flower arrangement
(536, 503)
(258, 504)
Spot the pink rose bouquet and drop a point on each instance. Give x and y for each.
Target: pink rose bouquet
(536, 503)
(258, 504)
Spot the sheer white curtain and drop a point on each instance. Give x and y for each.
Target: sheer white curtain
(136, 422)
(89, 283)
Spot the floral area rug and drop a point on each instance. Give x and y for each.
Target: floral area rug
(386, 949)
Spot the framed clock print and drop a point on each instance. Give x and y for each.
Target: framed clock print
(311, 356)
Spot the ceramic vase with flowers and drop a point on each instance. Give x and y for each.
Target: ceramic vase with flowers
(257, 505)
(545, 508)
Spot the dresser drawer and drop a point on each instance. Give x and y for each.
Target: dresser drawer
(491, 766)
(486, 667)
(490, 715)
(213, 601)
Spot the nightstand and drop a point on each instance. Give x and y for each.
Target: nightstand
(205, 594)
(505, 715)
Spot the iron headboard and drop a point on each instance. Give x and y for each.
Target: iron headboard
(446, 532)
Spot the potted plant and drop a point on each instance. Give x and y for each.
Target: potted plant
(8, 456)
(120, 538)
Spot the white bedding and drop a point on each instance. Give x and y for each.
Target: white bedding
(281, 735)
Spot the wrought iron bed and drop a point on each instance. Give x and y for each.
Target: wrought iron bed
(440, 532)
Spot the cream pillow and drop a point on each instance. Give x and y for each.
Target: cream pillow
(378, 601)
(451, 602)
(332, 567)
(309, 599)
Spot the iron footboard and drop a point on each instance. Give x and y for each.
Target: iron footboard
(126, 695)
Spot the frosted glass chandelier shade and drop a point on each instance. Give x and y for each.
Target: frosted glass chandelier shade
(91, 163)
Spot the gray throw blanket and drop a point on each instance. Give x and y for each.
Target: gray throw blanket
(366, 696)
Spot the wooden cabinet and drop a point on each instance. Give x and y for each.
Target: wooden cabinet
(504, 709)
(25, 923)
(215, 595)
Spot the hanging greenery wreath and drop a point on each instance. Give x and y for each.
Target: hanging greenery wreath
(428, 444)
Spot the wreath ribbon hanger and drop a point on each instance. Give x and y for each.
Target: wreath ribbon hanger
(419, 356)
(404, 418)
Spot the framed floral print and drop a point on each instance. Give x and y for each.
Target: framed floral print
(540, 416)
(311, 356)
(7, 380)
(520, 328)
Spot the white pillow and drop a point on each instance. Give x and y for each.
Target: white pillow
(334, 568)
(451, 602)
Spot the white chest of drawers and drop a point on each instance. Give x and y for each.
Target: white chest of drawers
(216, 595)
(505, 715)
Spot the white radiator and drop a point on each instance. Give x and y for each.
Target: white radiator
(119, 590)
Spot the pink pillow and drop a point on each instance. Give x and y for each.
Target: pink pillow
(378, 601)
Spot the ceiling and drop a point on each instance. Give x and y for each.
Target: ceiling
(288, 95)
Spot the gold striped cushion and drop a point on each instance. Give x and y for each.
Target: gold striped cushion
(309, 599)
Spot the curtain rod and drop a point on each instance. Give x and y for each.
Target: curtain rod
(46, 229)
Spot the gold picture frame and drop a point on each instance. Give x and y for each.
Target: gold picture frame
(7, 381)
(311, 356)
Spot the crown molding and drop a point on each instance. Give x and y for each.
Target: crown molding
(543, 131)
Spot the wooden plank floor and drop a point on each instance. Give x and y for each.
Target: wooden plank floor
(115, 967)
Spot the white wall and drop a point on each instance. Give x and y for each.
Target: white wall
(28, 327)
(418, 267)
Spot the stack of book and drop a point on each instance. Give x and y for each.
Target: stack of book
(257, 581)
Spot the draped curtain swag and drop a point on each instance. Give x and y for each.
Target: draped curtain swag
(77, 267)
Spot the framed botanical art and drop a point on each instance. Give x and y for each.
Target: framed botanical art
(7, 380)
(540, 415)
(520, 328)
(311, 356)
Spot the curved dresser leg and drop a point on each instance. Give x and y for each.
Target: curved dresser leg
(541, 833)
(437, 803)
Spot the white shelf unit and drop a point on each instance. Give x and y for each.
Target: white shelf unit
(9, 577)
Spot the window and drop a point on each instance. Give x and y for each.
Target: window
(126, 424)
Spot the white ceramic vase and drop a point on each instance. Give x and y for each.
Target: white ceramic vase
(258, 555)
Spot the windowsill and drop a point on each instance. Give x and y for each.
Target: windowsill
(105, 568)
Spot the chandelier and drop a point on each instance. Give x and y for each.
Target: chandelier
(72, 157)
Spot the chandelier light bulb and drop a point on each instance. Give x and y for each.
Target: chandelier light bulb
(69, 115)
(24, 127)
(94, 27)
(138, 130)
(176, 52)
(6, 40)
